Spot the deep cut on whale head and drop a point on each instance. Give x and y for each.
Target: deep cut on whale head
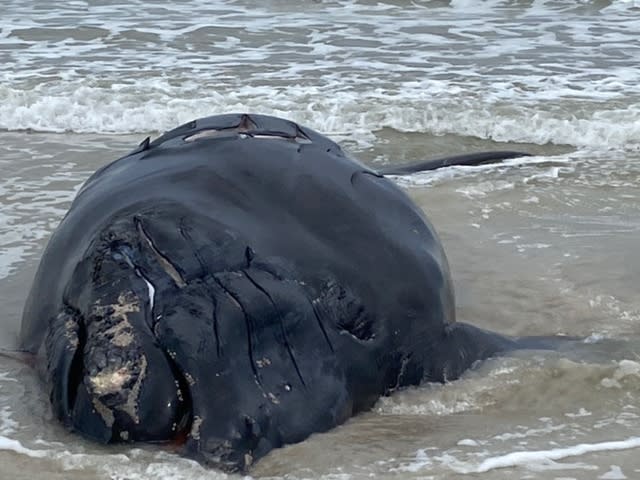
(239, 284)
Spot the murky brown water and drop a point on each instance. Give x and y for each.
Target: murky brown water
(545, 245)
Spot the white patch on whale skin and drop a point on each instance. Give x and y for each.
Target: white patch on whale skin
(108, 381)
(121, 332)
(131, 405)
(120, 376)
(189, 379)
(195, 427)
(152, 292)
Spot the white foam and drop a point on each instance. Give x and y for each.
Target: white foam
(615, 473)
(5, 377)
(337, 68)
(582, 412)
(421, 461)
(526, 458)
(625, 369)
(7, 424)
(74, 107)
(9, 444)
(468, 442)
(524, 432)
(622, 6)
(134, 465)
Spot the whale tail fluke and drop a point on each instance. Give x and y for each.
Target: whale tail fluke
(477, 158)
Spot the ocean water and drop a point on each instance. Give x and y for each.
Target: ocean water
(542, 245)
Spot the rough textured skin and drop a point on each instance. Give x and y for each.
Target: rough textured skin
(242, 283)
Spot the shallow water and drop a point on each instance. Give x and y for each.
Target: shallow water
(541, 245)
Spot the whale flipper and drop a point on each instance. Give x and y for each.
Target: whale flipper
(441, 162)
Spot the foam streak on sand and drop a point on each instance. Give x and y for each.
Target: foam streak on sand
(15, 446)
(541, 456)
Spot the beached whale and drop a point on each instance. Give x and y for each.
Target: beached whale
(238, 284)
